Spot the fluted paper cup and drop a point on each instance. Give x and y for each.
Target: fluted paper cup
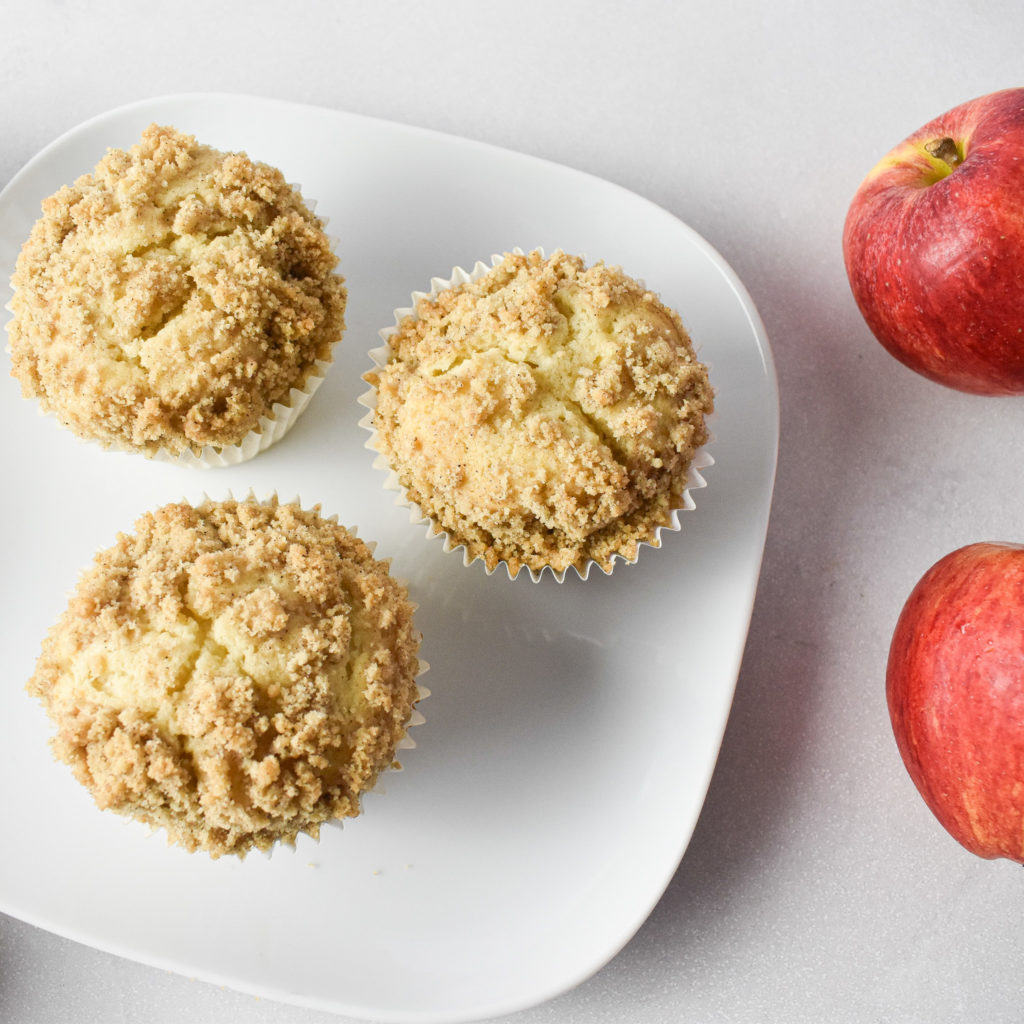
(381, 356)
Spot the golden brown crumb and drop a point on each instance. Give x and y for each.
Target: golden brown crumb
(171, 297)
(235, 673)
(544, 415)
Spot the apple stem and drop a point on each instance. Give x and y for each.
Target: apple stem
(946, 150)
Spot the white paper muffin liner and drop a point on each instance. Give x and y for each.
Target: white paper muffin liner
(271, 428)
(702, 458)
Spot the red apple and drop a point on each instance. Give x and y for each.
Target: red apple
(955, 685)
(934, 247)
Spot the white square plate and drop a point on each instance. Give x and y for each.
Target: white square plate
(573, 728)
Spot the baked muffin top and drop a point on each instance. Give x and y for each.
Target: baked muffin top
(545, 414)
(171, 297)
(234, 673)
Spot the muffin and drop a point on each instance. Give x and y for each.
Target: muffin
(542, 415)
(176, 299)
(234, 673)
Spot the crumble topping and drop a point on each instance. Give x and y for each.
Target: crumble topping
(545, 414)
(171, 297)
(235, 673)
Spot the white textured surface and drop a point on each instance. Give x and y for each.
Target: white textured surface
(817, 886)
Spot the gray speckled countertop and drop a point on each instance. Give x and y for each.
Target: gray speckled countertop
(817, 885)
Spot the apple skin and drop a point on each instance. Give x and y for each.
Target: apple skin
(934, 248)
(955, 687)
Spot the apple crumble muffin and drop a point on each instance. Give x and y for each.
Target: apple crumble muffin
(543, 415)
(235, 673)
(170, 298)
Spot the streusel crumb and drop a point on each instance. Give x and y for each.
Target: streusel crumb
(171, 297)
(235, 673)
(545, 414)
